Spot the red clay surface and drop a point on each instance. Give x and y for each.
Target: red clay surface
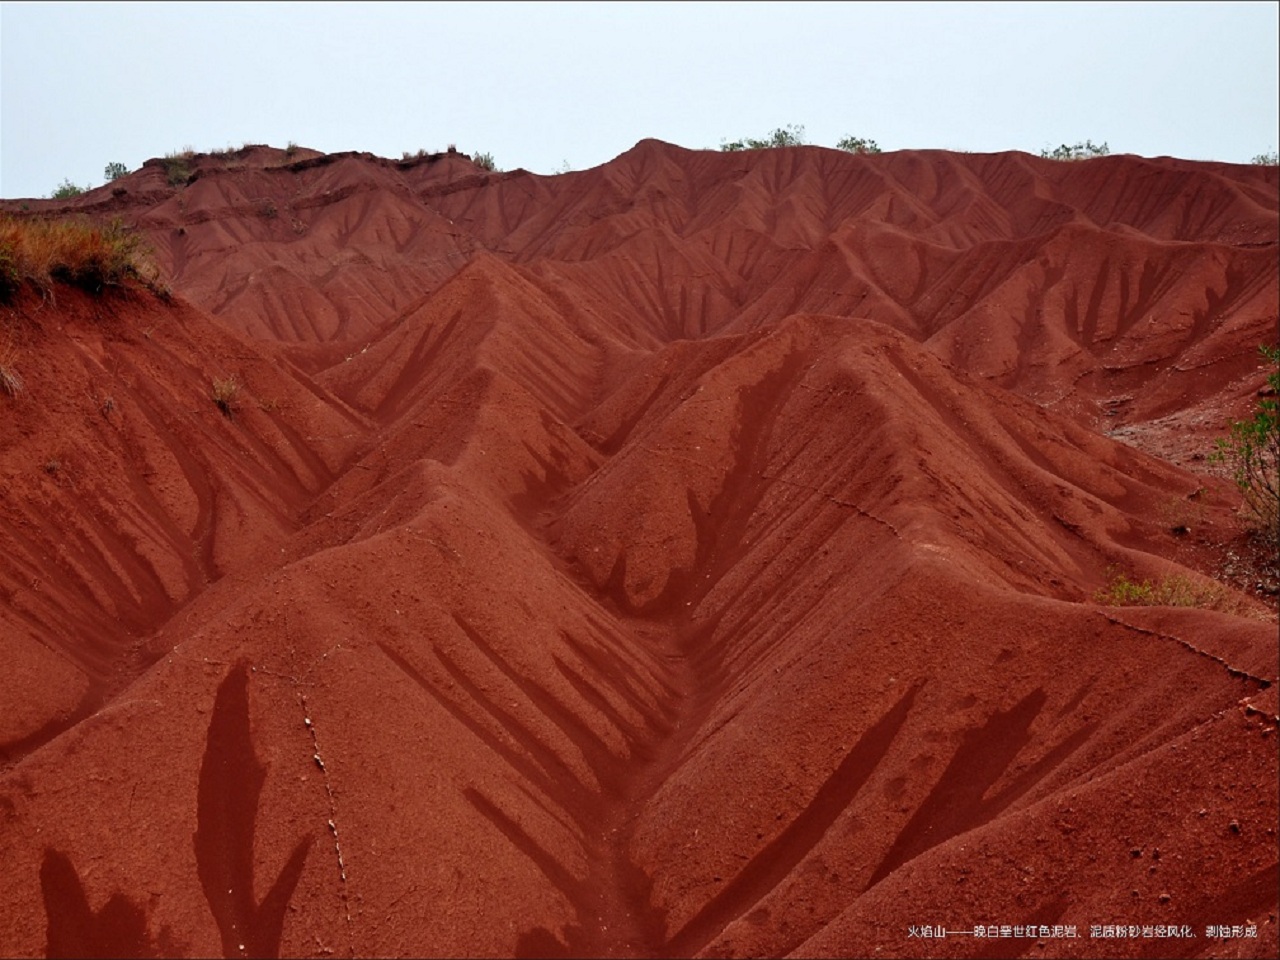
(694, 555)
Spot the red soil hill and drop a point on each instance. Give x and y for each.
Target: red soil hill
(695, 554)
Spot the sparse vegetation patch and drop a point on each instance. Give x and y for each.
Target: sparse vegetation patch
(74, 251)
(792, 135)
(177, 167)
(858, 145)
(225, 392)
(1083, 150)
(1250, 455)
(1174, 590)
(66, 190)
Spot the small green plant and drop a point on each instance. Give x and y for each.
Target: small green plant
(858, 145)
(225, 392)
(1084, 150)
(1271, 159)
(66, 190)
(114, 171)
(1120, 591)
(1250, 454)
(485, 162)
(291, 150)
(1174, 590)
(792, 135)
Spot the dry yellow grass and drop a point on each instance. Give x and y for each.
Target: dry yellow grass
(10, 379)
(73, 251)
(1172, 590)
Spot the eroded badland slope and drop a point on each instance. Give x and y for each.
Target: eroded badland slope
(694, 554)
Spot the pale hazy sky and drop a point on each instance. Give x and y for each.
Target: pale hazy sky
(541, 84)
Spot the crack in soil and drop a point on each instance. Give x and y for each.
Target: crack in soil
(1262, 682)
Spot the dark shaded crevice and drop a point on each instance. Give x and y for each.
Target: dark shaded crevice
(603, 763)
(538, 765)
(956, 802)
(771, 865)
(612, 669)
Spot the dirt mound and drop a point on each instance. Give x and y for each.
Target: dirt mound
(699, 554)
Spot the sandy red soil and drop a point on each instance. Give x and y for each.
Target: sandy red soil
(692, 555)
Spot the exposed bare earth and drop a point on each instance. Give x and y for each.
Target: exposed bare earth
(694, 554)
